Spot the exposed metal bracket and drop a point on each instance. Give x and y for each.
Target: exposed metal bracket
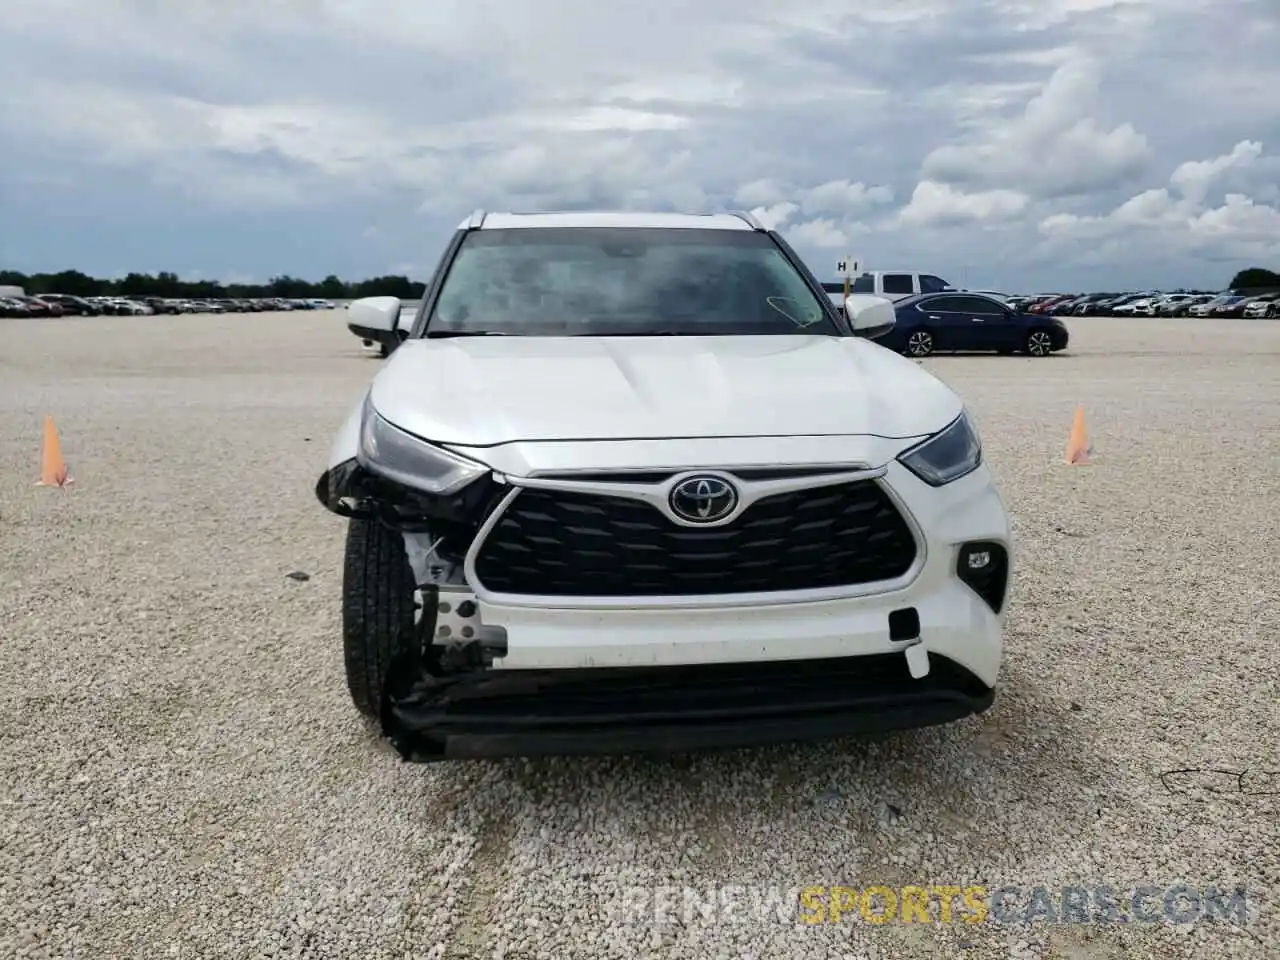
(458, 621)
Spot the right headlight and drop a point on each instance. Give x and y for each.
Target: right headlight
(948, 455)
(402, 457)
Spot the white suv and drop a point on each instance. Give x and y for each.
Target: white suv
(632, 481)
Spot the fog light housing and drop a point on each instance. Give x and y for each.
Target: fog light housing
(983, 567)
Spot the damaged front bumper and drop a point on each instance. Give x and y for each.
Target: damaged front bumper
(529, 713)
(566, 681)
(553, 678)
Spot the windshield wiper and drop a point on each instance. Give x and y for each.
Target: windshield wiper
(447, 334)
(648, 333)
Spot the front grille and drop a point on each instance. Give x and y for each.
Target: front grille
(562, 543)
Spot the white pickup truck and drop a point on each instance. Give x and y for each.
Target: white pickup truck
(889, 284)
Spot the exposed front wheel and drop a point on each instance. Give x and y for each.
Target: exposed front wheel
(1039, 343)
(377, 609)
(920, 343)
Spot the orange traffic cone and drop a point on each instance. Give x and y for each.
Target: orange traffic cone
(53, 469)
(1078, 448)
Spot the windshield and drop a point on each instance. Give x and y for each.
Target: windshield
(627, 281)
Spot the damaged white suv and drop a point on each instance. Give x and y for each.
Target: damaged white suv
(633, 482)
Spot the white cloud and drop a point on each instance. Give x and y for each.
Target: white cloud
(823, 234)
(843, 197)
(1057, 147)
(1240, 220)
(1194, 177)
(935, 203)
(773, 217)
(759, 193)
(1180, 217)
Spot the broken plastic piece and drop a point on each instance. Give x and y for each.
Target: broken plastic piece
(918, 660)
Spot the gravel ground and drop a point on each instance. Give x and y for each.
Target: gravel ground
(185, 777)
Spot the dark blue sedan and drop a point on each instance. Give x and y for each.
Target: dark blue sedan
(969, 322)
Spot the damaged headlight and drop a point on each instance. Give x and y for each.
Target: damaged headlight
(948, 455)
(399, 456)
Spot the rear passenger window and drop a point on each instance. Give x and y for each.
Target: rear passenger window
(932, 284)
(898, 283)
(980, 306)
(864, 284)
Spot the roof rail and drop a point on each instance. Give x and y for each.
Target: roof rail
(750, 220)
(477, 219)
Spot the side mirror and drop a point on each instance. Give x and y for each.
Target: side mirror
(375, 313)
(870, 316)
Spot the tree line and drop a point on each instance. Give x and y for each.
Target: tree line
(77, 284)
(1255, 278)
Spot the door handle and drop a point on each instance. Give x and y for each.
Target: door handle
(932, 317)
(978, 320)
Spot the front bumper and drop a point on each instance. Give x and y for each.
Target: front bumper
(662, 710)
(578, 677)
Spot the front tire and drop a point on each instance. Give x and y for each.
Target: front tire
(1039, 343)
(377, 609)
(919, 343)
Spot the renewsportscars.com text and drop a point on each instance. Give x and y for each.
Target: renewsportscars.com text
(932, 903)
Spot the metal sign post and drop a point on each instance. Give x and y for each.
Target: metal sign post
(848, 266)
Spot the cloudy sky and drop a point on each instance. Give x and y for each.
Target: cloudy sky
(1008, 144)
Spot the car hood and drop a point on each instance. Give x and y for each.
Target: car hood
(485, 391)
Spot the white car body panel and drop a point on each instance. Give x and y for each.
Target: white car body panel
(1133, 306)
(483, 391)
(531, 459)
(347, 442)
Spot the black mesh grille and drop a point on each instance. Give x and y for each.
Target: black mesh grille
(564, 543)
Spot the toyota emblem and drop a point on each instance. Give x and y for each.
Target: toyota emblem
(703, 499)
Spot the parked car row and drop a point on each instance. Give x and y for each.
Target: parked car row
(24, 306)
(1151, 303)
(62, 304)
(1260, 306)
